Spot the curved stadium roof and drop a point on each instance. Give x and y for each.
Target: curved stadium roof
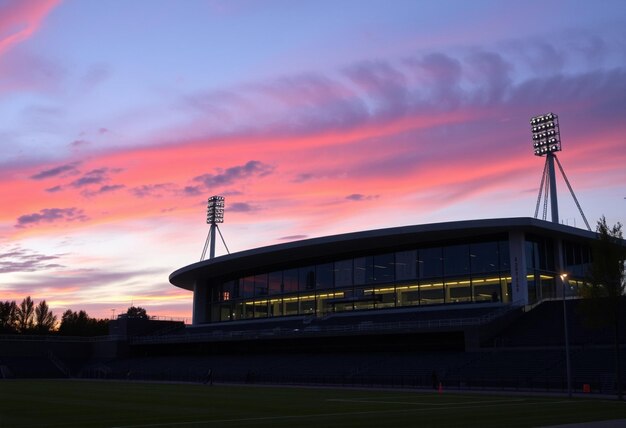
(329, 248)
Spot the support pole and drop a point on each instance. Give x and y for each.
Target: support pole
(568, 372)
(206, 245)
(541, 186)
(554, 205)
(212, 243)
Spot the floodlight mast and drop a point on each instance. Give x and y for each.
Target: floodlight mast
(546, 142)
(215, 215)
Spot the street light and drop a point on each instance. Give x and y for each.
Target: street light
(566, 333)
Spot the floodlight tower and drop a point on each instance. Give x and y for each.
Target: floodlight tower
(215, 215)
(546, 142)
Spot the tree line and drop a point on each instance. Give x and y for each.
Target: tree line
(28, 318)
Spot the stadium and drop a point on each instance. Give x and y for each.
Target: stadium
(492, 263)
(490, 304)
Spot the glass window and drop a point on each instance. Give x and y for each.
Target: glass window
(307, 304)
(290, 280)
(569, 254)
(586, 254)
(384, 268)
(260, 308)
(344, 300)
(325, 301)
(249, 310)
(532, 289)
(456, 260)
(343, 273)
(577, 258)
(539, 253)
(406, 265)
(458, 291)
(307, 278)
(275, 282)
(260, 285)
(431, 293)
(324, 276)
(548, 286)
(275, 307)
(226, 291)
(226, 312)
(505, 258)
(408, 295)
(363, 270)
(549, 255)
(238, 311)
(431, 263)
(364, 298)
(488, 289)
(385, 296)
(248, 286)
(484, 257)
(290, 305)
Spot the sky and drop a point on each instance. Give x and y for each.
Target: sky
(118, 119)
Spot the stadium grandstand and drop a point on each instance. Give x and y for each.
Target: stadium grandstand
(493, 263)
(491, 303)
(472, 304)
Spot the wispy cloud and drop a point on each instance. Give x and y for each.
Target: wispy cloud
(51, 215)
(152, 190)
(95, 176)
(60, 170)
(242, 207)
(108, 188)
(361, 197)
(233, 174)
(18, 259)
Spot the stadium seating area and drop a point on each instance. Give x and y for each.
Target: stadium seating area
(526, 352)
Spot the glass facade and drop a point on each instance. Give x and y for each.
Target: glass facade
(461, 273)
(540, 268)
(577, 260)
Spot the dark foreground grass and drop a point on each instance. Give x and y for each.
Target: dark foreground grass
(50, 403)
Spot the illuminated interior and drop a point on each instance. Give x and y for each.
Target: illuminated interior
(464, 273)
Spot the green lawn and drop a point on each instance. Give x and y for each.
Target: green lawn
(64, 403)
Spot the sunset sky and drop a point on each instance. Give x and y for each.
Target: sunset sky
(118, 119)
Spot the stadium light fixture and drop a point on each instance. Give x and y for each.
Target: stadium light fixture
(546, 135)
(214, 215)
(546, 142)
(215, 210)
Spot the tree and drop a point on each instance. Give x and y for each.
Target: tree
(25, 315)
(80, 324)
(8, 317)
(44, 318)
(604, 291)
(137, 312)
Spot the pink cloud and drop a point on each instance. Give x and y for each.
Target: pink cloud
(474, 143)
(19, 20)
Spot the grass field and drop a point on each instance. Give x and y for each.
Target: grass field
(65, 403)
